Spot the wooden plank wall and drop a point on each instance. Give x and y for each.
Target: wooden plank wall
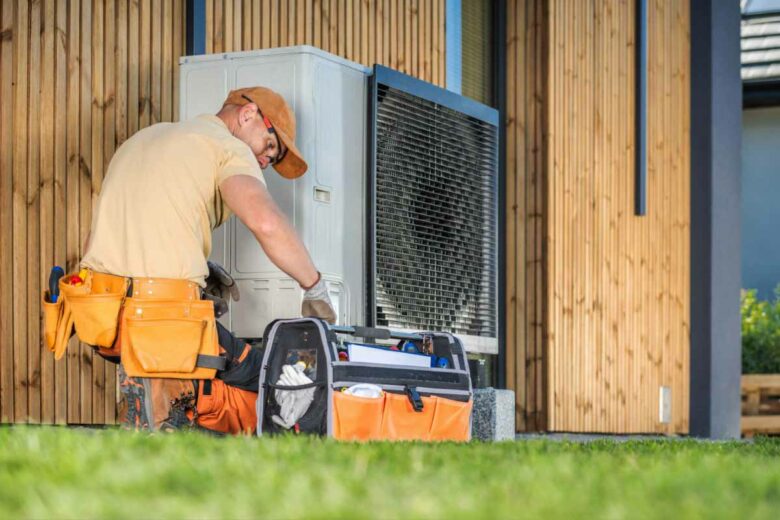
(525, 214)
(407, 35)
(77, 77)
(618, 284)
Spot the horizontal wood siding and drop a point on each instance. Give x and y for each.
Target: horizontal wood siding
(76, 79)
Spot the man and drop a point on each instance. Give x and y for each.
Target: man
(167, 187)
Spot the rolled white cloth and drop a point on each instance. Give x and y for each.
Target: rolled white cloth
(293, 403)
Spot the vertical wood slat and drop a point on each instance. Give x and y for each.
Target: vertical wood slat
(156, 61)
(340, 26)
(19, 206)
(83, 354)
(324, 25)
(9, 32)
(385, 57)
(266, 24)
(166, 83)
(145, 65)
(284, 22)
(97, 105)
(525, 197)
(238, 32)
(61, 161)
(105, 407)
(356, 23)
(44, 364)
(72, 196)
(177, 50)
(292, 15)
(305, 24)
(229, 26)
(514, 347)
(33, 203)
(133, 73)
(248, 17)
(210, 20)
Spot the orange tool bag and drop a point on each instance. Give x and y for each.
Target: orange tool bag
(429, 403)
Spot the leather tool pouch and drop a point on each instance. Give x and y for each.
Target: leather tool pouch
(92, 308)
(95, 307)
(174, 339)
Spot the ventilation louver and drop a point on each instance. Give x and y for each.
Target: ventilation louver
(433, 207)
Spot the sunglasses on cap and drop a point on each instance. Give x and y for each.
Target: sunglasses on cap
(280, 155)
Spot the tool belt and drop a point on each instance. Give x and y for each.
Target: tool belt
(160, 327)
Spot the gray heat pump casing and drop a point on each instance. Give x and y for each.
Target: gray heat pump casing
(326, 205)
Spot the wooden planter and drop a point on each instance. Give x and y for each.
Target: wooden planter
(760, 404)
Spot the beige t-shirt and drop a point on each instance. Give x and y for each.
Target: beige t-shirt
(160, 200)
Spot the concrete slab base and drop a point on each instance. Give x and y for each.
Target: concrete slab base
(493, 415)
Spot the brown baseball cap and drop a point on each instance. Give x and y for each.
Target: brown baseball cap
(281, 116)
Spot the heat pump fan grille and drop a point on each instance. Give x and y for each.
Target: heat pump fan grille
(434, 187)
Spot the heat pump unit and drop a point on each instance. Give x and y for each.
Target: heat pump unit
(398, 208)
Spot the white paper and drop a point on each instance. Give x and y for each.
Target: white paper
(366, 354)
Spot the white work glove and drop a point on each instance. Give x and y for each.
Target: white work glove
(292, 403)
(317, 304)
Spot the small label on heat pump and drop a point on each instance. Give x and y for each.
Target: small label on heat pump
(322, 194)
(665, 405)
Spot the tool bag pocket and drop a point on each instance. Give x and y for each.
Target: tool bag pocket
(394, 417)
(401, 422)
(170, 338)
(451, 420)
(57, 324)
(357, 418)
(181, 339)
(96, 317)
(52, 314)
(95, 307)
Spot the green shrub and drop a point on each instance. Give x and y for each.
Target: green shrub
(760, 333)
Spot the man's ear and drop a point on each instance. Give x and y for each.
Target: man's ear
(247, 113)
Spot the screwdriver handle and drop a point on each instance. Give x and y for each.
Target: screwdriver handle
(54, 283)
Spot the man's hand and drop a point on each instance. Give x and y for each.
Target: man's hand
(317, 304)
(220, 288)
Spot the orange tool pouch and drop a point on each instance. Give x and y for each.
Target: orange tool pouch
(92, 308)
(167, 331)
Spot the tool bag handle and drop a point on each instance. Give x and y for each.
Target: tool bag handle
(373, 332)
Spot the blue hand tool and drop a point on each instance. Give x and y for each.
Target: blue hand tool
(54, 285)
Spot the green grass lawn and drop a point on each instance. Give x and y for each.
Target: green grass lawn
(65, 473)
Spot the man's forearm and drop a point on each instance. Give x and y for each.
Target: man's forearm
(286, 250)
(251, 202)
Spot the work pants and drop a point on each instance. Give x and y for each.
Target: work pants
(225, 404)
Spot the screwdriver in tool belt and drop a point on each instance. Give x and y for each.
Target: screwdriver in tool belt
(54, 279)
